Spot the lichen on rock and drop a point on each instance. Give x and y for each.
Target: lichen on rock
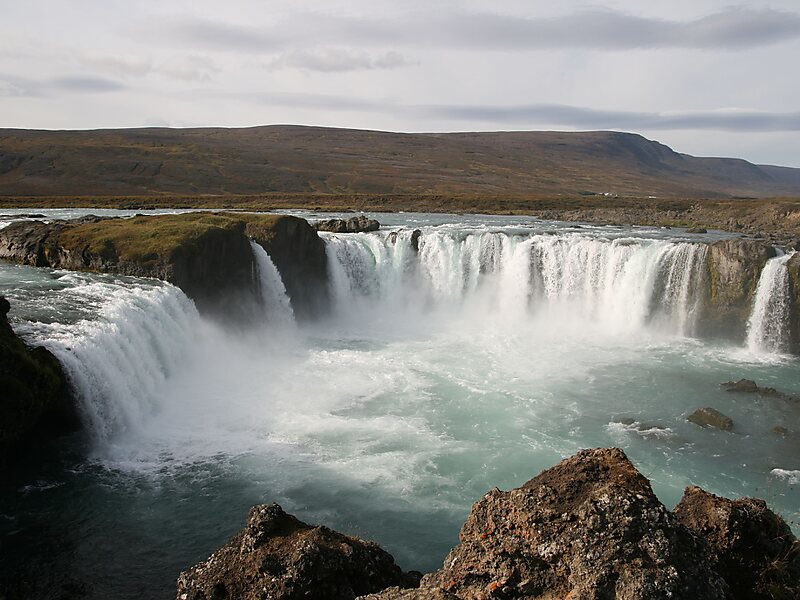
(279, 557)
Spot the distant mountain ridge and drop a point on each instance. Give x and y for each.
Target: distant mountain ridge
(299, 159)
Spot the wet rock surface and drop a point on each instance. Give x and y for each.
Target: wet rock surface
(710, 417)
(793, 267)
(279, 557)
(35, 400)
(751, 547)
(357, 224)
(589, 527)
(748, 386)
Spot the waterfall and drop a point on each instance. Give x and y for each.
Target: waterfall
(625, 283)
(768, 326)
(117, 361)
(272, 292)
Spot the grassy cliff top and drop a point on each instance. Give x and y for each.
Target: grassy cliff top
(147, 238)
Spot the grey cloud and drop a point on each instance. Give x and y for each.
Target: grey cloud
(537, 115)
(23, 87)
(121, 65)
(84, 85)
(320, 102)
(336, 60)
(11, 90)
(579, 117)
(732, 28)
(181, 67)
(212, 34)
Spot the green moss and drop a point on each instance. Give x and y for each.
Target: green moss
(152, 238)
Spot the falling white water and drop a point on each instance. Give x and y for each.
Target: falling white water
(768, 326)
(139, 335)
(272, 292)
(624, 283)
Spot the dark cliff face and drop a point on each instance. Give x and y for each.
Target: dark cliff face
(35, 400)
(794, 289)
(733, 268)
(299, 255)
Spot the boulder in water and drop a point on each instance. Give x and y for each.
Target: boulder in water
(358, 224)
(752, 548)
(745, 386)
(697, 230)
(279, 557)
(415, 235)
(710, 417)
(748, 386)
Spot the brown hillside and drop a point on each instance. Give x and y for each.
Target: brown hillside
(260, 160)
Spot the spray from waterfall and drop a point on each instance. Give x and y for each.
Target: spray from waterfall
(768, 326)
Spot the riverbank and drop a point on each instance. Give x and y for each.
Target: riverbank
(774, 219)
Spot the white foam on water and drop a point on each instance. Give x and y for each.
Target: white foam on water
(791, 477)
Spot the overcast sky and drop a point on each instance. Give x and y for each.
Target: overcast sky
(706, 77)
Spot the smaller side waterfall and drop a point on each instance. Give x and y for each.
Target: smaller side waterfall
(272, 292)
(768, 326)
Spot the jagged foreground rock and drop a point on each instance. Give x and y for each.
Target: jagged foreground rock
(588, 528)
(278, 556)
(750, 546)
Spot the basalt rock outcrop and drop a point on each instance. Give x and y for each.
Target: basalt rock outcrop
(358, 224)
(793, 265)
(279, 557)
(588, 528)
(733, 268)
(35, 401)
(299, 255)
(207, 255)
